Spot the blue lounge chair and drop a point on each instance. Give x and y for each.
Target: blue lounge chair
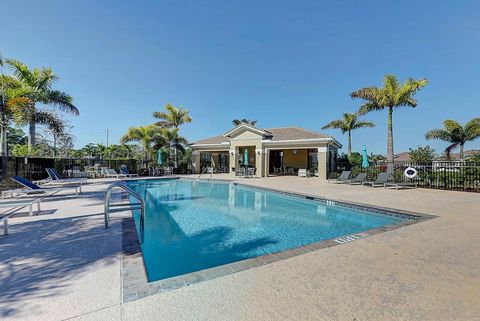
(32, 189)
(57, 178)
(124, 171)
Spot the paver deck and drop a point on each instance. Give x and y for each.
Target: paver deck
(63, 264)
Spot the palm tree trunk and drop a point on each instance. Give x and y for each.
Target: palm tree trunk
(349, 143)
(462, 154)
(3, 139)
(31, 136)
(3, 143)
(390, 155)
(54, 145)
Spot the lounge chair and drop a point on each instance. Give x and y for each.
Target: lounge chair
(396, 185)
(110, 172)
(16, 205)
(167, 171)
(56, 176)
(343, 178)
(124, 171)
(357, 180)
(381, 180)
(33, 189)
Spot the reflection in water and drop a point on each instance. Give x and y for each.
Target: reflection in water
(193, 226)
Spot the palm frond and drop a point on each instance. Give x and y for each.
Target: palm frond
(61, 100)
(55, 124)
(21, 71)
(438, 134)
(451, 125)
(363, 124)
(336, 124)
(472, 129)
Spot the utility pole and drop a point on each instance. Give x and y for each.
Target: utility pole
(107, 136)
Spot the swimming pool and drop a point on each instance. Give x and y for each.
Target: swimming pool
(192, 226)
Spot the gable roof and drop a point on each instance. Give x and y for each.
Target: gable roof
(293, 133)
(269, 134)
(212, 140)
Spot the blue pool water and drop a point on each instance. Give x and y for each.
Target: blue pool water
(191, 226)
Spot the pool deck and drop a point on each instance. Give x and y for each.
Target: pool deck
(62, 264)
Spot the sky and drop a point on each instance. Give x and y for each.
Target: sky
(282, 63)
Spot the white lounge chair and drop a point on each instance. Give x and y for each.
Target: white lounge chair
(110, 172)
(15, 205)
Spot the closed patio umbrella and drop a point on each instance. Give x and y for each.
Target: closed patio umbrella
(159, 158)
(365, 163)
(245, 158)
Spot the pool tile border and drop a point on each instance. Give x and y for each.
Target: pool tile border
(134, 277)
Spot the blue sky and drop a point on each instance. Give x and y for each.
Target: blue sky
(282, 63)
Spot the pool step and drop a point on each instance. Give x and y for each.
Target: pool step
(120, 207)
(349, 238)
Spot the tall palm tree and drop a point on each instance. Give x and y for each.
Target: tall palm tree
(237, 122)
(456, 134)
(173, 118)
(146, 136)
(392, 95)
(40, 83)
(349, 122)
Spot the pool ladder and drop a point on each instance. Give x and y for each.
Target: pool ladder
(204, 171)
(120, 207)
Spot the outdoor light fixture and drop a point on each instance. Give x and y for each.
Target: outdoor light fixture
(294, 151)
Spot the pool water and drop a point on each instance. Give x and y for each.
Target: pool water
(191, 226)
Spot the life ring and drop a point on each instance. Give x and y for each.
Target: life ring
(410, 172)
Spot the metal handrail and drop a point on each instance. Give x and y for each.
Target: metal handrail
(203, 172)
(130, 191)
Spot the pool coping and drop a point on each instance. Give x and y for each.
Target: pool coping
(134, 279)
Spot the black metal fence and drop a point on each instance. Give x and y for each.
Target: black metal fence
(455, 175)
(34, 168)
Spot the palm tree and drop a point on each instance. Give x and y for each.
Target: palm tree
(172, 141)
(147, 136)
(39, 83)
(348, 123)
(172, 118)
(13, 106)
(456, 134)
(237, 122)
(392, 95)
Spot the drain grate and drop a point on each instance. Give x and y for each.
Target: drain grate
(349, 238)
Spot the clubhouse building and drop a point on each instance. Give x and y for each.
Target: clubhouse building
(246, 149)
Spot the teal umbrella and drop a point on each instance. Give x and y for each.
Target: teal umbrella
(245, 158)
(159, 158)
(365, 163)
